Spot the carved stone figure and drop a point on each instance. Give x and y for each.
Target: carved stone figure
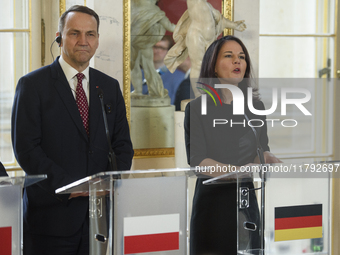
(198, 27)
(148, 26)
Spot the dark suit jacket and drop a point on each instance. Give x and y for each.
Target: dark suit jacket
(49, 138)
(2, 170)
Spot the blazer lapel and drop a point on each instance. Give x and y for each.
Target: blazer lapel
(95, 110)
(65, 93)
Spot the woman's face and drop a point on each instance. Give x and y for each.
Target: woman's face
(231, 63)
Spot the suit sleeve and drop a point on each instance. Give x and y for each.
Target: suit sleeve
(264, 141)
(195, 142)
(27, 137)
(121, 142)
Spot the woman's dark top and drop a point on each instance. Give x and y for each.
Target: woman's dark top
(213, 227)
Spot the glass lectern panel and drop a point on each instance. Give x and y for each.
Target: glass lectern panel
(11, 212)
(297, 215)
(283, 208)
(148, 212)
(138, 212)
(11, 218)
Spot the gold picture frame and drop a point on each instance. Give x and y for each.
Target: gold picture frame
(227, 7)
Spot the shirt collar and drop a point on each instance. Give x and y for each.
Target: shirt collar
(70, 72)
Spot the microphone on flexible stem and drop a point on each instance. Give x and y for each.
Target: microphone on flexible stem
(259, 149)
(112, 158)
(99, 224)
(259, 152)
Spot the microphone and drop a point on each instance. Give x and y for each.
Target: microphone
(263, 176)
(112, 158)
(259, 149)
(99, 203)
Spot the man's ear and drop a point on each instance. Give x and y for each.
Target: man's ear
(58, 38)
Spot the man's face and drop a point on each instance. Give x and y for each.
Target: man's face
(160, 49)
(79, 39)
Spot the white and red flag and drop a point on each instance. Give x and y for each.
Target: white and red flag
(151, 233)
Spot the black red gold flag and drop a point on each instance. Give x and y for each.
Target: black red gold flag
(298, 222)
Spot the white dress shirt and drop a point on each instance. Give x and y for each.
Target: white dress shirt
(71, 78)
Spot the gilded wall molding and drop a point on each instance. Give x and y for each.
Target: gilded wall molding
(126, 56)
(228, 12)
(62, 7)
(154, 153)
(30, 34)
(43, 43)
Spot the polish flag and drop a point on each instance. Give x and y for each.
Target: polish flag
(151, 233)
(5, 240)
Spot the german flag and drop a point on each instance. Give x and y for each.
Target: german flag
(298, 222)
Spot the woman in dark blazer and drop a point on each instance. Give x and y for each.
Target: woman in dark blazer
(213, 227)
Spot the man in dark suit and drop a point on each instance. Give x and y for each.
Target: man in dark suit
(2, 170)
(58, 130)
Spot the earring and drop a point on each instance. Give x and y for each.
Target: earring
(215, 74)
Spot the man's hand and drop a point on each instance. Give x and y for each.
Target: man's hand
(79, 194)
(86, 193)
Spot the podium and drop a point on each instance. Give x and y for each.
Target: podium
(148, 212)
(134, 212)
(287, 212)
(11, 212)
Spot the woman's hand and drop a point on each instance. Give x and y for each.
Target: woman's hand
(268, 158)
